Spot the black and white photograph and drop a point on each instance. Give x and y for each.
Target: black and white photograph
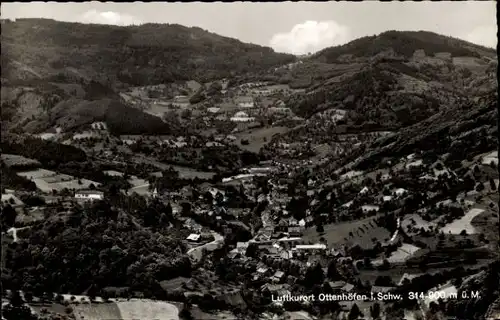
(249, 161)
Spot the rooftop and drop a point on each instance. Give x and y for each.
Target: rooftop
(90, 192)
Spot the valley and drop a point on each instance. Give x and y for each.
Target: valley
(166, 172)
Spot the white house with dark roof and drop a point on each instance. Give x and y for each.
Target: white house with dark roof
(89, 195)
(241, 116)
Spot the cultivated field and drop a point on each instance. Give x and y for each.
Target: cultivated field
(47, 180)
(336, 235)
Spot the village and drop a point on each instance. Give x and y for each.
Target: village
(349, 232)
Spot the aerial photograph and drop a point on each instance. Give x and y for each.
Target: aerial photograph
(249, 161)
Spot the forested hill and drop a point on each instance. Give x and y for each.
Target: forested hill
(394, 79)
(403, 44)
(137, 55)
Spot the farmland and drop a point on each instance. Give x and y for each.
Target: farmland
(132, 309)
(47, 180)
(257, 138)
(359, 232)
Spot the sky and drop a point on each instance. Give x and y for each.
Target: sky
(292, 27)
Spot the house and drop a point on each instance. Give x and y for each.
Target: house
(302, 223)
(364, 190)
(370, 208)
(278, 276)
(310, 247)
(241, 116)
(347, 287)
(295, 231)
(385, 177)
(336, 285)
(290, 241)
(89, 195)
(180, 101)
(400, 192)
(377, 289)
(387, 198)
(213, 109)
(245, 102)
(194, 237)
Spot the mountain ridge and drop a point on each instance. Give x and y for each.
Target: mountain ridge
(137, 55)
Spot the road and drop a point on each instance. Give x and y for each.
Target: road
(196, 253)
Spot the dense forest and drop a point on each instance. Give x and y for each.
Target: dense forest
(50, 154)
(404, 44)
(101, 243)
(136, 55)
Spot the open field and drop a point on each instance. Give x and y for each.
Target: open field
(190, 173)
(47, 180)
(256, 137)
(147, 309)
(132, 309)
(184, 172)
(336, 235)
(157, 109)
(463, 223)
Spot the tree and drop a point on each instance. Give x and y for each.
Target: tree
(354, 313)
(252, 250)
(493, 186)
(16, 309)
(375, 310)
(186, 114)
(314, 275)
(332, 272)
(8, 216)
(319, 228)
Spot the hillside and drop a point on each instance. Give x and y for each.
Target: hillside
(404, 44)
(136, 55)
(392, 80)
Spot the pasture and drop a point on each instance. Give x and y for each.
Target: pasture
(47, 180)
(360, 232)
(257, 138)
(190, 173)
(463, 223)
(116, 309)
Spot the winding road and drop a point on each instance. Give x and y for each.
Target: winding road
(196, 253)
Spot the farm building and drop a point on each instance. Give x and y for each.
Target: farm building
(89, 195)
